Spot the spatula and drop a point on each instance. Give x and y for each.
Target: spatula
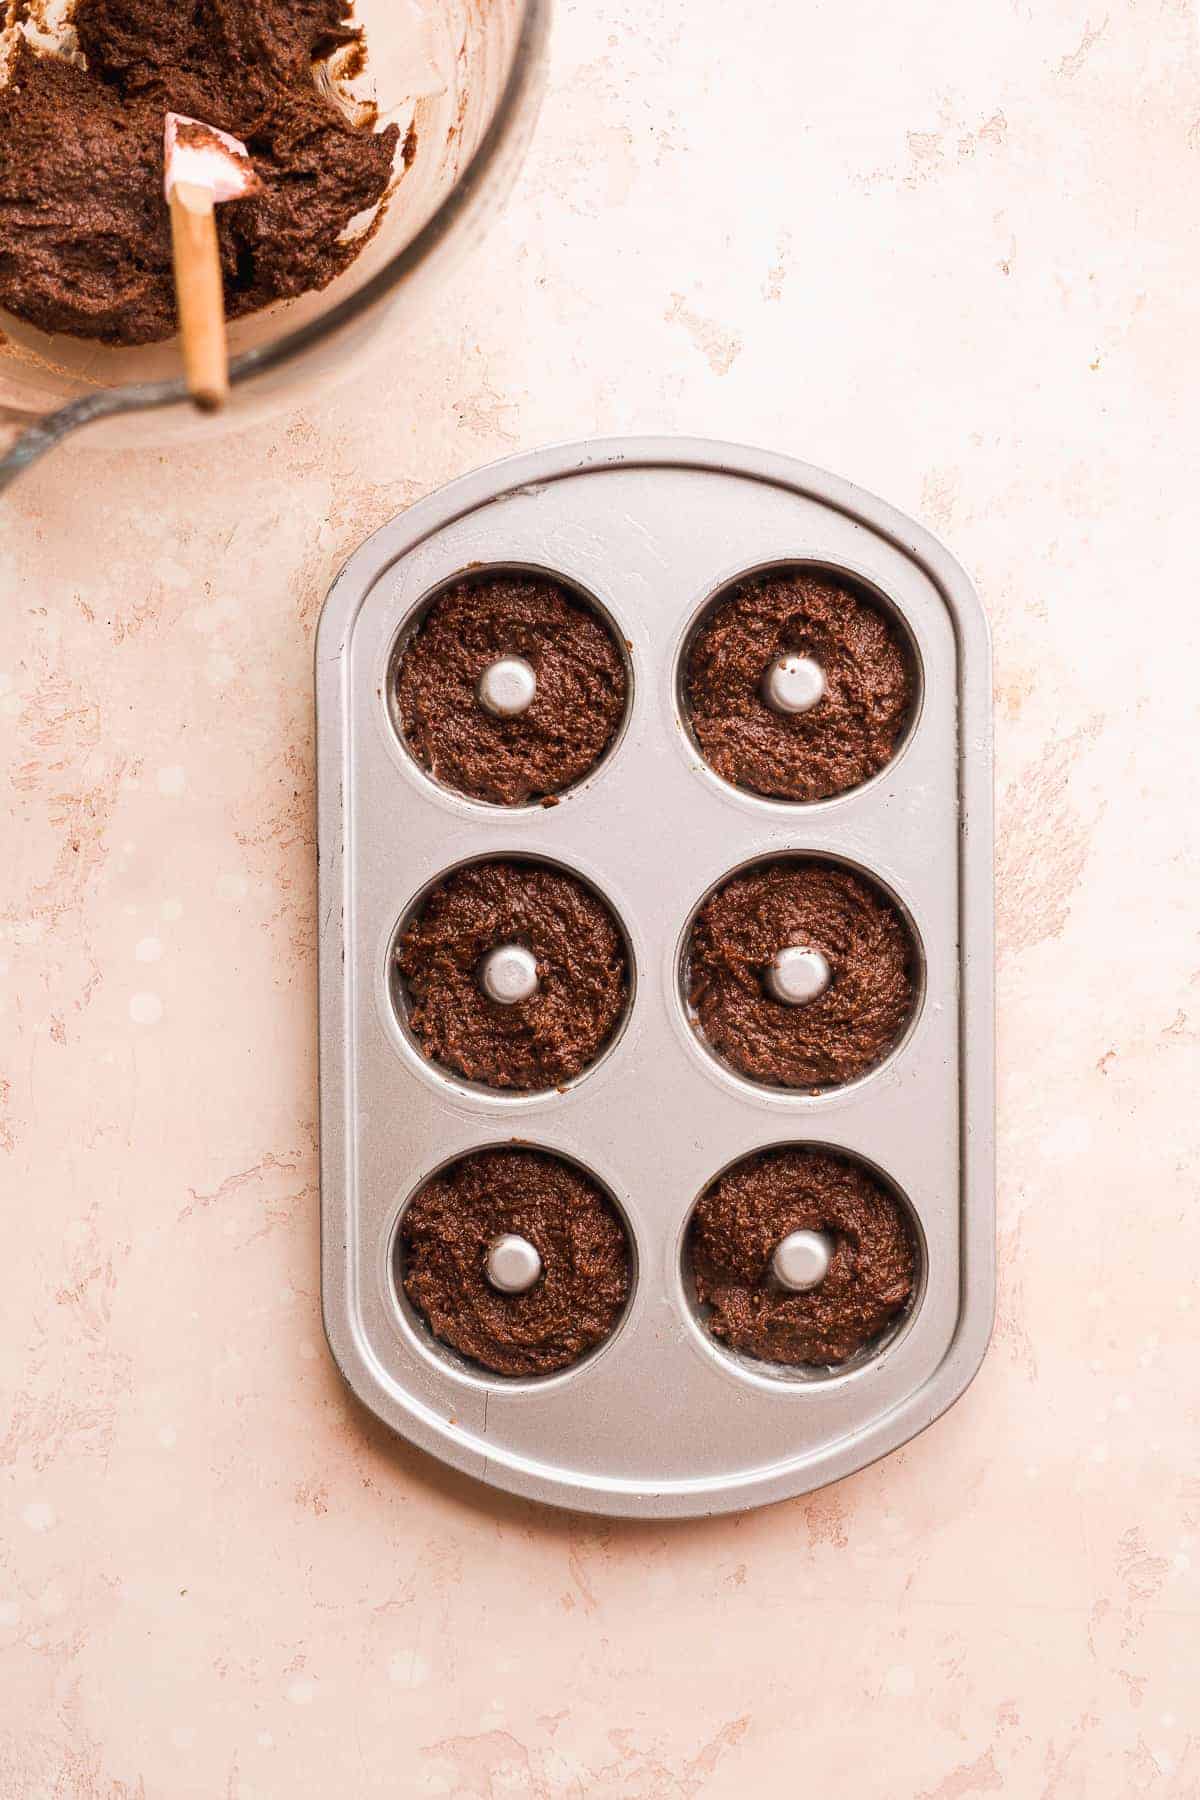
(202, 167)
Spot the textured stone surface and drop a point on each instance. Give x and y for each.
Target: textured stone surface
(953, 255)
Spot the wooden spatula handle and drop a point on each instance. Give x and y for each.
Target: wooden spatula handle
(199, 295)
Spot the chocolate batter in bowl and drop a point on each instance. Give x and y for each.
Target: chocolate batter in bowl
(569, 1274)
(512, 974)
(801, 973)
(85, 236)
(799, 683)
(461, 85)
(802, 1257)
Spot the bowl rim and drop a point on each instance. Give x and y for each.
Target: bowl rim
(527, 58)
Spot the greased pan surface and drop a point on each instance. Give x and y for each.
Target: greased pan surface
(660, 1421)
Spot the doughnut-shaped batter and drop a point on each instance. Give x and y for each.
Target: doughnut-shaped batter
(752, 1208)
(819, 906)
(582, 979)
(577, 706)
(838, 743)
(445, 1236)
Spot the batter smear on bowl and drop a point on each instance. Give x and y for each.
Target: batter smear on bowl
(579, 1249)
(562, 715)
(822, 1032)
(85, 244)
(754, 1207)
(819, 738)
(514, 975)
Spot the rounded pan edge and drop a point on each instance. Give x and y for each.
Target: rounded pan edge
(633, 1500)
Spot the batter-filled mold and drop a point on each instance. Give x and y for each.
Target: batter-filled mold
(511, 687)
(802, 1257)
(720, 967)
(800, 972)
(512, 974)
(799, 683)
(516, 1259)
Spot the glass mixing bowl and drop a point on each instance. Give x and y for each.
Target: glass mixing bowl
(466, 75)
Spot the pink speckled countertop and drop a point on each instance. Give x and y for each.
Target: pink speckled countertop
(952, 254)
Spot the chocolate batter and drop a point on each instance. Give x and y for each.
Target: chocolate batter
(579, 703)
(582, 978)
(85, 244)
(746, 1213)
(851, 732)
(581, 1293)
(817, 906)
